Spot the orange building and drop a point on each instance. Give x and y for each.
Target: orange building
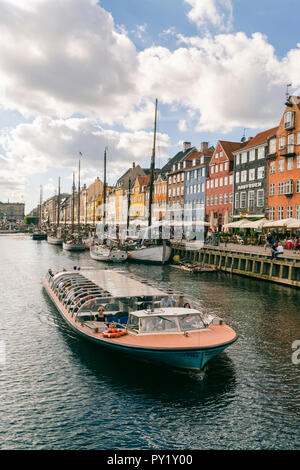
(284, 165)
(160, 197)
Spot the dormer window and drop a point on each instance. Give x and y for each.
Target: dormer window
(289, 120)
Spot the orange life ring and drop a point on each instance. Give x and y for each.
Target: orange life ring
(114, 332)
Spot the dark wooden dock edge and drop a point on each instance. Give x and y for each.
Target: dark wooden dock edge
(285, 270)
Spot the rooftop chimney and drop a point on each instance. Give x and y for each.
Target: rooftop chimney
(204, 146)
(133, 164)
(186, 146)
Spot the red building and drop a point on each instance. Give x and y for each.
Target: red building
(219, 184)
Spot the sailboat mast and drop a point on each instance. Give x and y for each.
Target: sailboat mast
(128, 206)
(58, 202)
(104, 189)
(41, 205)
(73, 202)
(152, 169)
(78, 206)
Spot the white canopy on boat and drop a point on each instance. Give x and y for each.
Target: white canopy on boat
(120, 285)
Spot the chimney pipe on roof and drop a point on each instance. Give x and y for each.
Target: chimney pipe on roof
(186, 146)
(204, 146)
(133, 164)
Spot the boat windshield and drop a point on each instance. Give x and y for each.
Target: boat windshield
(158, 324)
(190, 322)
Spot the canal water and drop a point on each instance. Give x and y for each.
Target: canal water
(59, 392)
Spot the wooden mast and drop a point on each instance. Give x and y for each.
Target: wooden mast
(73, 202)
(152, 170)
(58, 202)
(104, 190)
(78, 205)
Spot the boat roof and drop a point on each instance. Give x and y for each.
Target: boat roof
(116, 283)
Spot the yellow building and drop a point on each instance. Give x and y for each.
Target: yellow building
(139, 197)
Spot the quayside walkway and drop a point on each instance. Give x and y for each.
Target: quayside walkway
(252, 261)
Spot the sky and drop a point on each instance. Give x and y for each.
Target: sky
(82, 75)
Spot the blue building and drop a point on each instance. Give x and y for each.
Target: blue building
(195, 183)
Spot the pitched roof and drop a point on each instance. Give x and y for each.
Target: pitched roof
(230, 147)
(177, 158)
(260, 138)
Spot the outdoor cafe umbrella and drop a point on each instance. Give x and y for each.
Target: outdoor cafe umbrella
(255, 223)
(238, 224)
(282, 223)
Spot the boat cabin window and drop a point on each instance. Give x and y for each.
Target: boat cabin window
(190, 322)
(158, 324)
(133, 323)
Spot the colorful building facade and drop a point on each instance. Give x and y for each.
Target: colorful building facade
(284, 165)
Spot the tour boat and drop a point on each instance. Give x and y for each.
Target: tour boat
(135, 319)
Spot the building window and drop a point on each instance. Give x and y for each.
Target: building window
(252, 174)
(281, 165)
(174, 179)
(221, 167)
(272, 167)
(298, 212)
(280, 212)
(220, 198)
(281, 143)
(288, 187)
(170, 179)
(216, 199)
(182, 177)
(207, 184)
(221, 154)
(230, 198)
(236, 200)
(243, 176)
(272, 213)
(272, 146)
(231, 179)
(182, 190)
(280, 188)
(272, 189)
(290, 163)
(212, 183)
(252, 155)
(260, 198)
(298, 161)
(211, 200)
(221, 181)
(225, 198)
(216, 169)
(225, 180)
(260, 172)
(237, 159)
(216, 182)
(207, 201)
(289, 119)
(250, 198)
(243, 199)
(244, 157)
(261, 153)
(289, 212)
(237, 177)
(226, 166)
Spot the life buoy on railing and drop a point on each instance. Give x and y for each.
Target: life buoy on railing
(114, 332)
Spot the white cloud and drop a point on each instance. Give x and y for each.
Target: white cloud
(230, 80)
(45, 143)
(217, 13)
(64, 57)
